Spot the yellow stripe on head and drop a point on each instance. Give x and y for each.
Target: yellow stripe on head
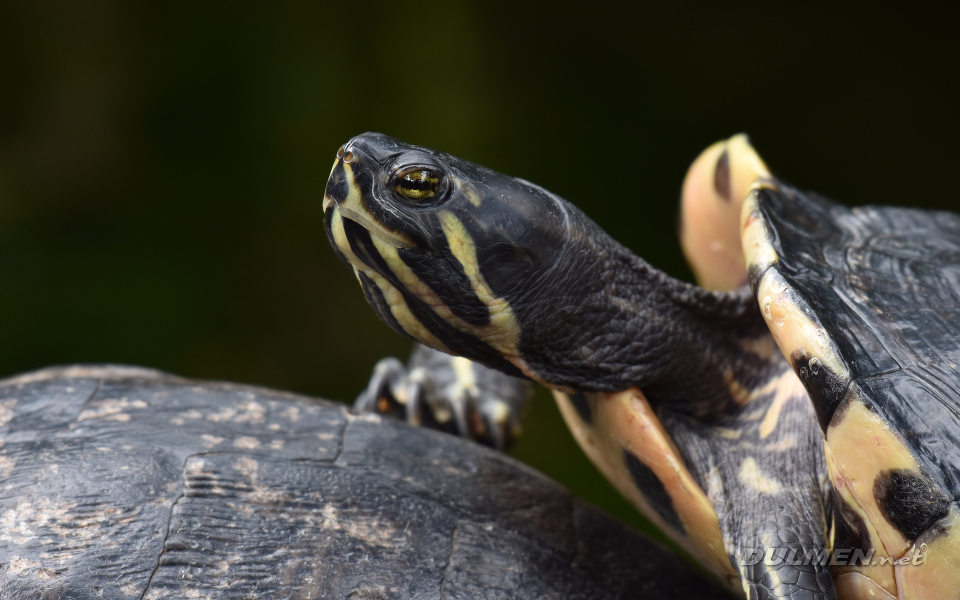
(354, 209)
(402, 313)
(503, 331)
(391, 295)
(340, 238)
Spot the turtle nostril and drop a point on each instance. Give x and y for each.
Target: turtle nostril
(348, 156)
(340, 152)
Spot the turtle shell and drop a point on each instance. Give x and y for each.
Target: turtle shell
(128, 483)
(865, 304)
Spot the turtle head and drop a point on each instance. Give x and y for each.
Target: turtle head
(443, 248)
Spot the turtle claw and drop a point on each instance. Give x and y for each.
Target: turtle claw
(396, 393)
(434, 391)
(501, 424)
(380, 396)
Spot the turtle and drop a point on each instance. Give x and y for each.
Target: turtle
(124, 482)
(791, 420)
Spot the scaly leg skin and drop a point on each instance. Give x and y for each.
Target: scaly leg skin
(448, 393)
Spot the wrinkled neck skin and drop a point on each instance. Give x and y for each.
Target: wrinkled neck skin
(612, 322)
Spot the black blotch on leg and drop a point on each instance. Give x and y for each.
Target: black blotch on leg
(582, 404)
(721, 176)
(653, 491)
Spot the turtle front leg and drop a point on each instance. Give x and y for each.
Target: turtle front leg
(745, 493)
(450, 394)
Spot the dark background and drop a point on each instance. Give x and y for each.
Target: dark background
(162, 163)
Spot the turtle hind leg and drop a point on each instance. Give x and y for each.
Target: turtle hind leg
(450, 394)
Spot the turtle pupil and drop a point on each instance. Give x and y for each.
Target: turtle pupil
(418, 185)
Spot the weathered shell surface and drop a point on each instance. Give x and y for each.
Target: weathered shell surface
(118, 482)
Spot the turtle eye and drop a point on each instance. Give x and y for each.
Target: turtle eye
(418, 184)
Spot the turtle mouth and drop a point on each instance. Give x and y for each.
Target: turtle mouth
(346, 214)
(358, 241)
(373, 228)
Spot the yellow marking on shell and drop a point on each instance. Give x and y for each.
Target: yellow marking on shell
(503, 331)
(857, 586)
(870, 577)
(625, 421)
(758, 251)
(751, 477)
(780, 304)
(710, 235)
(762, 347)
(863, 446)
(793, 330)
(934, 562)
(788, 386)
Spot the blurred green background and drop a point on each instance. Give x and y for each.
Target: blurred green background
(162, 163)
